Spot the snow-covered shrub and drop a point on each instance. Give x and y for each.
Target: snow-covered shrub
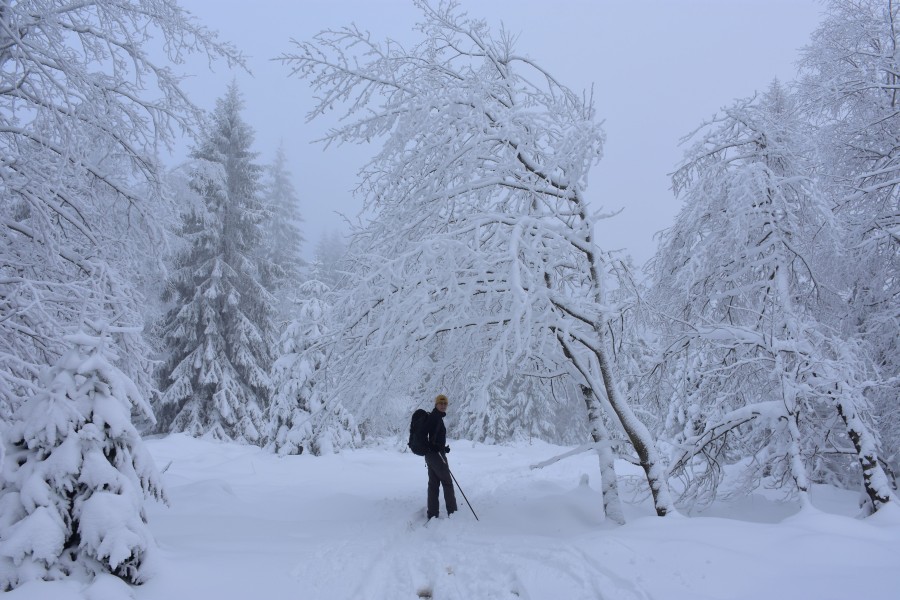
(77, 474)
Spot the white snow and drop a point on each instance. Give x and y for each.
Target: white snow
(40, 534)
(244, 523)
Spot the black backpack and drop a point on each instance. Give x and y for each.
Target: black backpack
(418, 435)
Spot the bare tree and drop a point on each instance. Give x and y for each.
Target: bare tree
(481, 251)
(84, 108)
(850, 78)
(746, 278)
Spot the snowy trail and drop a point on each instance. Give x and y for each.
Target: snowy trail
(246, 524)
(350, 526)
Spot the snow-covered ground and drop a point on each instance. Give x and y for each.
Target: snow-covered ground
(246, 524)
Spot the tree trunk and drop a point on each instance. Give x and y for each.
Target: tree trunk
(798, 468)
(612, 505)
(875, 480)
(791, 420)
(637, 433)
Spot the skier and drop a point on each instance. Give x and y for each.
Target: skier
(436, 460)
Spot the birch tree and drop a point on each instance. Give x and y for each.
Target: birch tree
(481, 245)
(849, 86)
(747, 274)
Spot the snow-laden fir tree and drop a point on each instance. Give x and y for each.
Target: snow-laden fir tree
(298, 417)
(283, 242)
(481, 244)
(77, 474)
(219, 333)
(487, 413)
(328, 261)
(745, 278)
(850, 73)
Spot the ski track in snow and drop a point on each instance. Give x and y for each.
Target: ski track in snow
(453, 561)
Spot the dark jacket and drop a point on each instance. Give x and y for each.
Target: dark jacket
(437, 432)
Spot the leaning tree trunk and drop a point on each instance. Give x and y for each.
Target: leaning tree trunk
(612, 505)
(635, 429)
(875, 480)
(791, 420)
(637, 432)
(596, 345)
(639, 436)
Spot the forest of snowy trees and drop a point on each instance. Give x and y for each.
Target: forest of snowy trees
(759, 347)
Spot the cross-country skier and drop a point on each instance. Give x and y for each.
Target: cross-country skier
(436, 460)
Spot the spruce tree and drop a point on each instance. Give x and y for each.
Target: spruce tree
(219, 332)
(299, 418)
(328, 261)
(284, 241)
(78, 472)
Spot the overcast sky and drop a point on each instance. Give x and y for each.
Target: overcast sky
(658, 69)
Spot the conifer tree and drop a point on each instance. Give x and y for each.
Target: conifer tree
(329, 256)
(283, 242)
(78, 472)
(219, 332)
(299, 418)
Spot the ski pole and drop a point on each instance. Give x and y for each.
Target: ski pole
(460, 488)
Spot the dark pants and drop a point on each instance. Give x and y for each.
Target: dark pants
(439, 475)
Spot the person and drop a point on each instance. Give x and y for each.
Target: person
(436, 460)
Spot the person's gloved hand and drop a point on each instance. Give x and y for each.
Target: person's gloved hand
(446, 449)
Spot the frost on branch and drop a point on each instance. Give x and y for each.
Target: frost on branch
(85, 107)
(752, 371)
(849, 77)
